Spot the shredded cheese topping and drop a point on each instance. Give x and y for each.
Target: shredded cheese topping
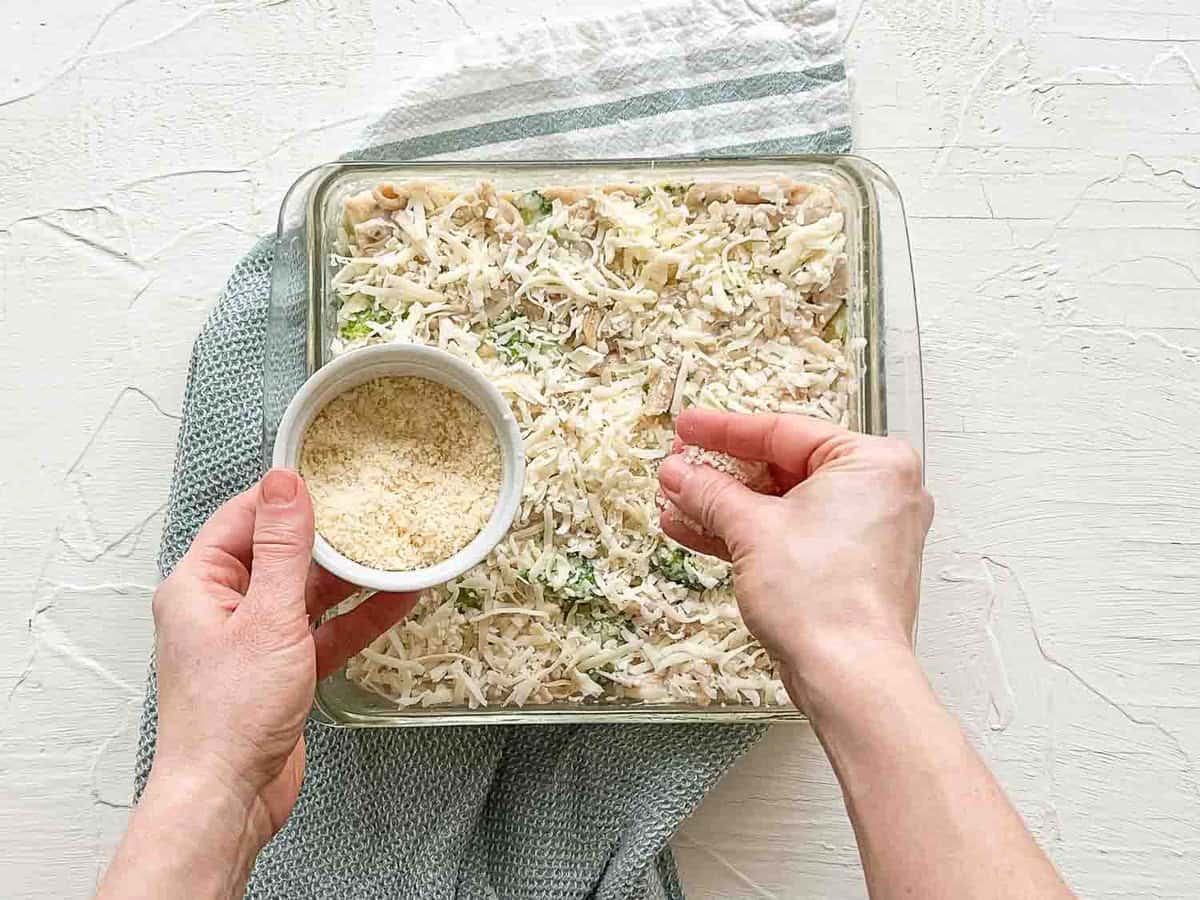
(599, 313)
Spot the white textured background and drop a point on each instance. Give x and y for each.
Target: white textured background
(1049, 151)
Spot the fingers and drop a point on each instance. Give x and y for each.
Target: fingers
(788, 441)
(701, 543)
(226, 538)
(721, 505)
(322, 591)
(341, 637)
(282, 549)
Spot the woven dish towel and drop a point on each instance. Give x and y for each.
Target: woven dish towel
(514, 812)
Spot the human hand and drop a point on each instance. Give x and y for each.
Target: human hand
(237, 656)
(827, 576)
(828, 572)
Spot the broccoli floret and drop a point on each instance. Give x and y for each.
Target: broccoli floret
(584, 604)
(601, 623)
(352, 331)
(596, 618)
(582, 582)
(676, 190)
(534, 206)
(579, 590)
(468, 598)
(580, 585)
(674, 564)
(356, 325)
(515, 344)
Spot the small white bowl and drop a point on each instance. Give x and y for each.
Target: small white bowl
(416, 360)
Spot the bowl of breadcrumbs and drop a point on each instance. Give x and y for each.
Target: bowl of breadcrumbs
(413, 460)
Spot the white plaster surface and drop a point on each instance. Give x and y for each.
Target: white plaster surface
(1049, 151)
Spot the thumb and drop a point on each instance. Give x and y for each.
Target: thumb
(282, 548)
(722, 505)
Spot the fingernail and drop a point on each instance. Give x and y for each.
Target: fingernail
(672, 472)
(279, 487)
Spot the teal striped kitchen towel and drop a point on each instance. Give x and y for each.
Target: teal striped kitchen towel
(514, 812)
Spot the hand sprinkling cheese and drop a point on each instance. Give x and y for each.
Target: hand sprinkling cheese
(755, 475)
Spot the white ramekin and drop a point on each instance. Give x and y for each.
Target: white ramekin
(416, 360)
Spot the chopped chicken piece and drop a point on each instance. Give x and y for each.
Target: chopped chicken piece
(704, 194)
(661, 389)
(590, 328)
(566, 194)
(361, 207)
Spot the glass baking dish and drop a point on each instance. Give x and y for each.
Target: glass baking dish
(881, 306)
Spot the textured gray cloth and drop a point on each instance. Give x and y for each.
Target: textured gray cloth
(533, 811)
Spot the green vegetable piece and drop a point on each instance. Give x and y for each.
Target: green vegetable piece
(604, 627)
(468, 598)
(598, 620)
(580, 596)
(352, 330)
(534, 205)
(586, 606)
(674, 564)
(514, 345)
(581, 584)
(357, 325)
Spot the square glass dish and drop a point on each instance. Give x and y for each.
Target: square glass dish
(881, 310)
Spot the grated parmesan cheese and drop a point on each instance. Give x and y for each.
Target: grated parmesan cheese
(599, 313)
(752, 473)
(403, 472)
